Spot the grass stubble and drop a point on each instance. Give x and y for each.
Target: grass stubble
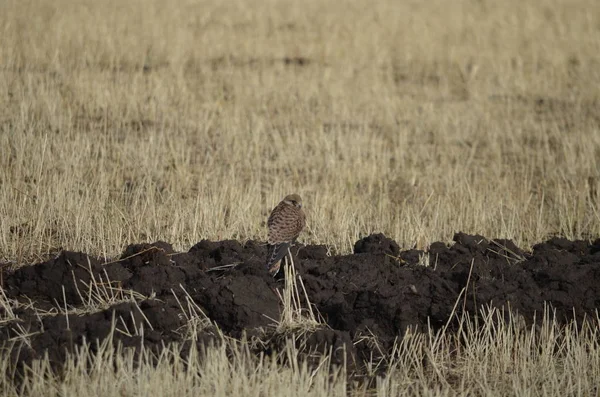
(144, 120)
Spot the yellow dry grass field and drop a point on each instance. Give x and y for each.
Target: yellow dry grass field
(131, 121)
(134, 121)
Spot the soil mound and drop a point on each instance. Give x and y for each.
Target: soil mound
(378, 291)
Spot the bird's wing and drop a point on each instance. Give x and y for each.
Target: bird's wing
(276, 253)
(274, 215)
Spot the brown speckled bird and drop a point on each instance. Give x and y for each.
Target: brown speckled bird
(285, 224)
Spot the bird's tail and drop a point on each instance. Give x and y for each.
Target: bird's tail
(276, 253)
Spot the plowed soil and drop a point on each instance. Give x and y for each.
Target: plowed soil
(378, 290)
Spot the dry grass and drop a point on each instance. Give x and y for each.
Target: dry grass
(134, 121)
(496, 356)
(297, 313)
(226, 370)
(129, 122)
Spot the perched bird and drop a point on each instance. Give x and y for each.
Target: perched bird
(285, 224)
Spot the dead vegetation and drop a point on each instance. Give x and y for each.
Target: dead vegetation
(124, 123)
(496, 354)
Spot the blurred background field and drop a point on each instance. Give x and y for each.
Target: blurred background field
(134, 121)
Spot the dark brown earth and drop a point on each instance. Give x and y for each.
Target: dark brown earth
(378, 290)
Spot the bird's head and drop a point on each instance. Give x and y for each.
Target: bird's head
(293, 199)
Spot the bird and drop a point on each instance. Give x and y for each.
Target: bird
(285, 224)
